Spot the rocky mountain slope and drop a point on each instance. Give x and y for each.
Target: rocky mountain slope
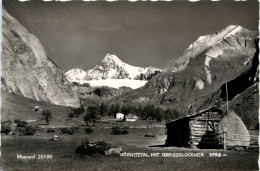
(197, 79)
(246, 105)
(113, 72)
(27, 70)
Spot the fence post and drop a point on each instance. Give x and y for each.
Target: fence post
(224, 139)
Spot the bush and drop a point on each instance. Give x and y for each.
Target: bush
(76, 112)
(116, 127)
(16, 120)
(69, 131)
(20, 130)
(64, 130)
(5, 128)
(103, 145)
(29, 130)
(21, 123)
(50, 130)
(74, 84)
(89, 130)
(124, 131)
(98, 148)
(117, 131)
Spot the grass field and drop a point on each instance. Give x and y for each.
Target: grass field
(64, 157)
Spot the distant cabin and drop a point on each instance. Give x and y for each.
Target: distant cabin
(131, 117)
(30, 121)
(198, 130)
(120, 116)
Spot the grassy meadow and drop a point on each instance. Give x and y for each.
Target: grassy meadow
(64, 158)
(63, 149)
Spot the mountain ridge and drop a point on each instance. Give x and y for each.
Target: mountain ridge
(27, 70)
(196, 47)
(207, 66)
(112, 68)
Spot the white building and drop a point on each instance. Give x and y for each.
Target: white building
(120, 116)
(131, 117)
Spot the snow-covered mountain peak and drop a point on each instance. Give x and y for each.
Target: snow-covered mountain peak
(112, 68)
(204, 43)
(111, 58)
(75, 74)
(218, 36)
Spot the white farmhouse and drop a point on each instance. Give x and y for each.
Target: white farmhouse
(120, 116)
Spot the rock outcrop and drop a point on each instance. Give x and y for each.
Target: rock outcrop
(27, 70)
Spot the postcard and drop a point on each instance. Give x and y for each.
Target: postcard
(129, 85)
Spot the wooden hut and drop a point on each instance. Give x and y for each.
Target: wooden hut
(131, 117)
(198, 129)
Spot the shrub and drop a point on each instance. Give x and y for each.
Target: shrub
(16, 120)
(20, 130)
(21, 123)
(64, 130)
(116, 127)
(29, 130)
(103, 145)
(74, 84)
(50, 130)
(98, 148)
(69, 131)
(117, 131)
(124, 131)
(76, 112)
(5, 128)
(89, 130)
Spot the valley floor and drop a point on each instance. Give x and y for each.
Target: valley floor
(63, 156)
(63, 150)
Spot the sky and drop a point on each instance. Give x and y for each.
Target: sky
(79, 34)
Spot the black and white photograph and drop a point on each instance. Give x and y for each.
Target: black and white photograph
(138, 85)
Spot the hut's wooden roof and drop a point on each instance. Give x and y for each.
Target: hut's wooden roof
(197, 113)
